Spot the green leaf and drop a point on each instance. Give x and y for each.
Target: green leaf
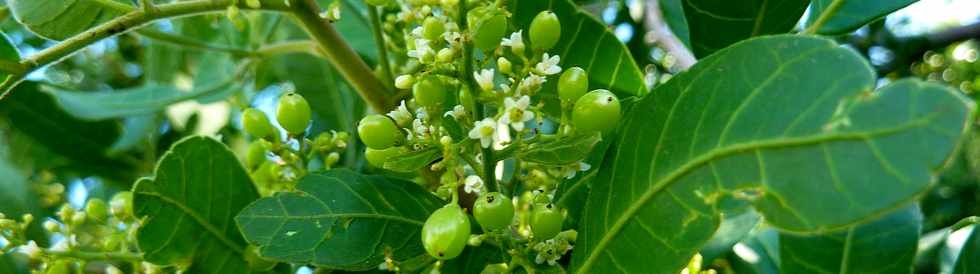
(136, 131)
(673, 13)
(356, 29)
(339, 219)
(60, 19)
(335, 105)
(715, 24)
(842, 16)
(474, 259)
(968, 261)
(9, 56)
(563, 151)
(887, 245)
(759, 254)
(412, 161)
(733, 229)
(189, 207)
(146, 99)
(587, 43)
(812, 151)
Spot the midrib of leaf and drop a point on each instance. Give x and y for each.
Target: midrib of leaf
(200, 220)
(846, 257)
(113, 5)
(758, 18)
(734, 149)
(826, 15)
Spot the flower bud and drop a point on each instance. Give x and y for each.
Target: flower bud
(404, 81)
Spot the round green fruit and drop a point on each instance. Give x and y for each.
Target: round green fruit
(597, 110)
(257, 124)
(378, 131)
(293, 113)
(493, 211)
(545, 30)
(429, 92)
(572, 84)
(97, 209)
(489, 26)
(256, 154)
(445, 233)
(122, 204)
(545, 221)
(378, 157)
(432, 29)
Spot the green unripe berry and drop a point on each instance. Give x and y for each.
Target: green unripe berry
(489, 26)
(96, 209)
(597, 110)
(545, 221)
(379, 132)
(545, 30)
(445, 232)
(504, 65)
(429, 92)
(257, 124)
(432, 29)
(404, 81)
(445, 55)
(256, 154)
(378, 157)
(493, 211)
(572, 84)
(293, 113)
(122, 204)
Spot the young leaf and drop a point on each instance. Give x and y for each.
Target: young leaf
(189, 207)
(339, 219)
(412, 161)
(60, 19)
(887, 245)
(968, 261)
(811, 151)
(561, 152)
(587, 43)
(843, 16)
(715, 24)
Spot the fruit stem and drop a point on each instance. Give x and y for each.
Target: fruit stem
(489, 163)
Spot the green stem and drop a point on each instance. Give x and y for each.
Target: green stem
(824, 17)
(489, 163)
(379, 39)
(341, 55)
(134, 19)
(290, 47)
(96, 256)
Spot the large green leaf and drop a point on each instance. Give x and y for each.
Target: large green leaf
(887, 245)
(812, 151)
(715, 24)
(848, 15)
(339, 219)
(60, 19)
(189, 206)
(146, 99)
(734, 228)
(587, 43)
(968, 261)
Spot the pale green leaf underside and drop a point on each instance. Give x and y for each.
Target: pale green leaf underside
(968, 261)
(763, 121)
(715, 24)
(886, 246)
(60, 19)
(339, 219)
(587, 43)
(189, 206)
(146, 99)
(852, 14)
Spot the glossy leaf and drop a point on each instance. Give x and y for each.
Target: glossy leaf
(190, 205)
(587, 43)
(715, 24)
(968, 261)
(146, 99)
(60, 19)
(813, 152)
(8, 54)
(847, 15)
(563, 151)
(887, 245)
(339, 219)
(412, 161)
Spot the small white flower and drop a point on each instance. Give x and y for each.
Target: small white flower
(111, 269)
(484, 130)
(515, 42)
(504, 88)
(485, 79)
(458, 112)
(417, 31)
(531, 83)
(515, 112)
(421, 114)
(420, 128)
(401, 115)
(473, 184)
(61, 246)
(422, 51)
(453, 38)
(31, 250)
(548, 65)
(574, 168)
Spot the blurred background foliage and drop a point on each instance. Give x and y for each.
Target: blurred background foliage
(49, 155)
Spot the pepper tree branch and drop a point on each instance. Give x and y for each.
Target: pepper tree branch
(341, 55)
(665, 38)
(136, 18)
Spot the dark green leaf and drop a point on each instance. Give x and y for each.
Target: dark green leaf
(887, 245)
(563, 151)
(474, 259)
(60, 19)
(843, 16)
(339, 219)
(968, 261)
(812, 152)
(414, 160)
(715, 24)
(453, 128)
(9, 55)
(189, 208)
(587, 43)
(146, 99)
